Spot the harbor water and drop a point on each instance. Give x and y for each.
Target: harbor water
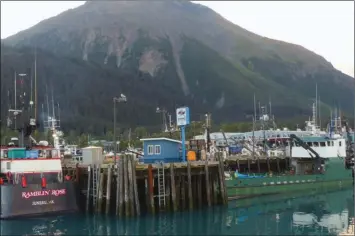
(319, 214)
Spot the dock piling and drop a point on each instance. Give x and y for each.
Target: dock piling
(101, 187)
(207, 183)
(135, 189)
(121, 189)
(108, 189)
(151, 189)
(189, 185)
(88, 189)
(173, 190)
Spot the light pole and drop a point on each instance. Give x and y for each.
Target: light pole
(163, 112)
(121, 98)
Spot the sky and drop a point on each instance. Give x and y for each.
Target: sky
(324, 27)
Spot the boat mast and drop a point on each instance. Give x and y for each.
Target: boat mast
(254, 118)
(316, 108)
(35, 103)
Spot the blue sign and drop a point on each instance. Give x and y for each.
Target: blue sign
(183, 119)
(182, 116)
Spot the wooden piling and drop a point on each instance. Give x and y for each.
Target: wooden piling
(108, 189)
(183, 191)
(88, 189)
(135, 188)
(121, 183)
(151, 189)
(77, 173)
(215, 188)
(199, 189)
(126, 187)
(189, 185)
(178, 192)
(278, 164)
(221, 178)
(207, 184)
(173, 190)
(117, 188)
(101, 189)
(130, 186)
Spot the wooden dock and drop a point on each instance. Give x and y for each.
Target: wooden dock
(130, 189)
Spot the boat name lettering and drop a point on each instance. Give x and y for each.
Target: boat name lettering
(53, 192)
(42, 202)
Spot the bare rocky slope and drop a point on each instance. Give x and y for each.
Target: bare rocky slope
(170, 53)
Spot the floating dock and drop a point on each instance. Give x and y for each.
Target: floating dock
(129, 188)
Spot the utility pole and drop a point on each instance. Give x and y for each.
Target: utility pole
(122, 98)
(208, 126)
(35, 104)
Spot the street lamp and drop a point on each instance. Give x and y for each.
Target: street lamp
(121, 98)
(163, 112)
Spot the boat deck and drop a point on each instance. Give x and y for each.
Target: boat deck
(350, 231)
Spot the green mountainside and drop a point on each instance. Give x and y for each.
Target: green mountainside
(165, 54)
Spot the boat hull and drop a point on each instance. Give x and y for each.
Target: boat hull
(335, 177)
(276, 186)
(17, 201)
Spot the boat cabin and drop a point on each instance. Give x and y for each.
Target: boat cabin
(324, 146)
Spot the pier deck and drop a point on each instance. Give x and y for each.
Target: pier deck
(129, 188)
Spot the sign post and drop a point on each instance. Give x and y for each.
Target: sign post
(183, 119)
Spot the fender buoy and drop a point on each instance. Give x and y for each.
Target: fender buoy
(60, 177)
(17, 178)
(23, 181)
(43, 182)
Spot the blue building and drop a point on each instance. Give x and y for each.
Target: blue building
(161, 150)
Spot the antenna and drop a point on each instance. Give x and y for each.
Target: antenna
(319, 114)
(35, 103)
(58, 121)
(15, 91)
(316, 107)
(270, 106)
(254, 108)
(53, 109)
(47, 114)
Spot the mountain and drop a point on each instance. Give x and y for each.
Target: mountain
(167, 54)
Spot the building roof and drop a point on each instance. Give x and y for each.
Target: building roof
(161, 139)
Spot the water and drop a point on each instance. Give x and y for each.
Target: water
(323, 214)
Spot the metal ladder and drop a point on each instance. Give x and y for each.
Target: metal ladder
(161, 185)
(95, 181)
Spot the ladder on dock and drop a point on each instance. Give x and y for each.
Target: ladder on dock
(161, 185)
(95, 180)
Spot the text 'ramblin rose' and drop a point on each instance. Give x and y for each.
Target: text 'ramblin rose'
(53, 192)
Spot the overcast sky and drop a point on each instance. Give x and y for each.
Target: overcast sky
(326, 28)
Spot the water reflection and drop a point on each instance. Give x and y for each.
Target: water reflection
(326, 214)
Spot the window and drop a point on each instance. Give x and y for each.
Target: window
(315, 144)
(322, 144)
(150, 150)
(157, 149)
(339, 143)
(328, 143)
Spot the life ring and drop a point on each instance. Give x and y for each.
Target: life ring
(17, 178)
(60, 177)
